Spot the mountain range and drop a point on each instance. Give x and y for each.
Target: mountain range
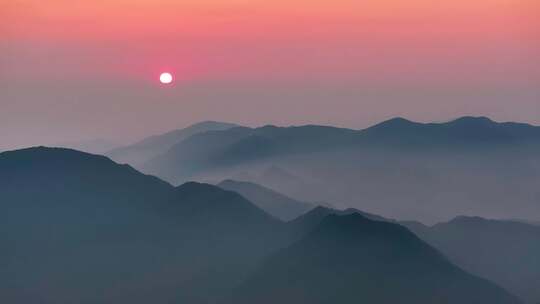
(351, 259)
(400, 169)
(502, 251)
(152, 146)
(80, 228)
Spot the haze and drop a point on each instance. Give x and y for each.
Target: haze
(72, 71)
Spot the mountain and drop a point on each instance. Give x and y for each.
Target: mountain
(153, 146)
(79, 228)
(504, 252)
(536, 223)
(351, 259)
(275, 203)
(247, 144)
(308, 221)
(468, 130)
(238, 145)
(398, 168)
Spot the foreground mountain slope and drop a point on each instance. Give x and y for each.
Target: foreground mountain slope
(153, 146)
(504, 252)
(79, 228)
(350, 259)
(275, 203)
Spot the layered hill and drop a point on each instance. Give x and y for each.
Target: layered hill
(398, 168)
(273, 202)
(150, 147)
(504, 252)
(79, 228)
(350, 259)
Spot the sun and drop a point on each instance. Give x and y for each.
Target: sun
(165, 78)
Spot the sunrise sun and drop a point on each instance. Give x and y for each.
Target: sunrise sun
(166, 78)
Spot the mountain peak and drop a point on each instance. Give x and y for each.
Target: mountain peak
(348, 258)
(397, 124)
(473, 120)
(399, 119)
(213, 124)
(466, 218)
(349, 223)
(198, 186)
(44, 154)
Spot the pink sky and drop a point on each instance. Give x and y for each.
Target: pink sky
(83, 69)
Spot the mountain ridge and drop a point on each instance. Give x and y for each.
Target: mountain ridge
(149, 147)
(365, 260)
(273, 202)
(428, 167)
(502, 251)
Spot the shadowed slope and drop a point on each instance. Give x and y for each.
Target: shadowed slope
(275, 203)
(504, 252)
(78, 228)
(350, 259)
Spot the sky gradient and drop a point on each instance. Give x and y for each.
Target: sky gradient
(80, 70)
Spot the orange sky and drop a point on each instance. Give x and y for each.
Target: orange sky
(473, 49)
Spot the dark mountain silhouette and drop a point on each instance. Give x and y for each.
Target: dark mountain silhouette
(536, 223)
(79, 228)
(351, 259)
(504, 252)
(275, 203)
(245, 144)
(471, 132)
(234, 146)
(307, 222)
(153, 146)
(398, 168)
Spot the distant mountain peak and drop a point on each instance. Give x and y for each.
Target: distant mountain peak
(394, 125)
(400, 122)
(468, 218)
(213, 122)
(397, 122)
(473, 120)
(150, 147)
(471, 220)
